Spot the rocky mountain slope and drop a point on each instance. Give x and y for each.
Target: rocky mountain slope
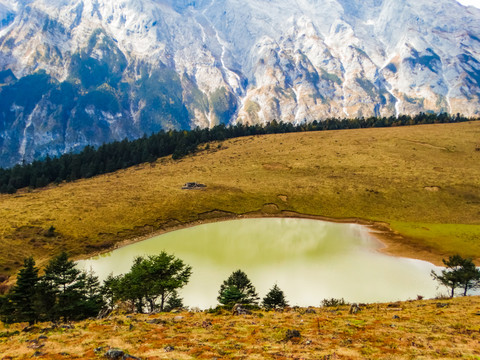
(78, 72)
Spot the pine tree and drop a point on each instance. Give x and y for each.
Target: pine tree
(469, 276)
(152, 281)
(459, 273)
(24, 294)
(6, 309)
(91, 299)
(111, 290)
(174, 302)
(239, 280)
(275, 299)
(230, 296)
(62, 285)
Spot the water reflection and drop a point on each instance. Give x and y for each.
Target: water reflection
(309, 260)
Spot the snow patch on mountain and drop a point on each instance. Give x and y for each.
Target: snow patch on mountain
(169, 64)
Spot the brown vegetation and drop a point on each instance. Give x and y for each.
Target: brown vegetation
(426, 329)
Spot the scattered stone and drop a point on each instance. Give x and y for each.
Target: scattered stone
(394, 305)
(419, 297)
(168, 348)
(310, 311)
(42, 337)
(238, 309)
(68, 326)
(395, 317)
(354, 308)
(37, 354)
(130, 328)
(292, 335)
(114, 354)
(442, 305)
(206, 324)
(98, 349)
(178, 318)
(35, 345)
(308, 342)
(31, 328)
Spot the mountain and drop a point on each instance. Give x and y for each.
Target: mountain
(79, 72)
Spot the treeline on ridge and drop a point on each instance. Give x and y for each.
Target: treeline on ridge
(123, 154)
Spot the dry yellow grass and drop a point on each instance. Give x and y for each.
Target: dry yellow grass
(424, 181)
(432, 329)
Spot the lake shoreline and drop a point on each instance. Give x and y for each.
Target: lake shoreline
(394, 244)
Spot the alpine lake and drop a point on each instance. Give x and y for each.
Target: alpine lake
(310, 260)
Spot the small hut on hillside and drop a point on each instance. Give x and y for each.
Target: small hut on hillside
(193, 186)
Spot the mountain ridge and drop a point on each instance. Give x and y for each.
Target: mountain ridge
(123, 69)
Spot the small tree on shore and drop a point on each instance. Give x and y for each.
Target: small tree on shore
(237, 289)
(23, 296)
(275, 299)
(459, 273)
(469, 276)
(174, 302)
(91, 301)
(111, 291)
(152, 281)
(64, 292)
(68, 293)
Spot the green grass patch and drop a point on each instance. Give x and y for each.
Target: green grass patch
(446, 238)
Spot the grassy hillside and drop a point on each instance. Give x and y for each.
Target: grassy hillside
(433, 329)
(424, 181)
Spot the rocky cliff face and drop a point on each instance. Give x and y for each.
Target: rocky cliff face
(78, 72)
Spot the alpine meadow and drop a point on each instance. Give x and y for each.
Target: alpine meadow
(224, 179)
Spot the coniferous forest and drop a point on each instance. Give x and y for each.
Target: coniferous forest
(177, 143)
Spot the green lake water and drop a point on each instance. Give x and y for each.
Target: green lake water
(309, 260)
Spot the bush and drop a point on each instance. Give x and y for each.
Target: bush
(333, 302)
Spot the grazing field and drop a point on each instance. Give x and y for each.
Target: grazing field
(433, 329)
(423, 182)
